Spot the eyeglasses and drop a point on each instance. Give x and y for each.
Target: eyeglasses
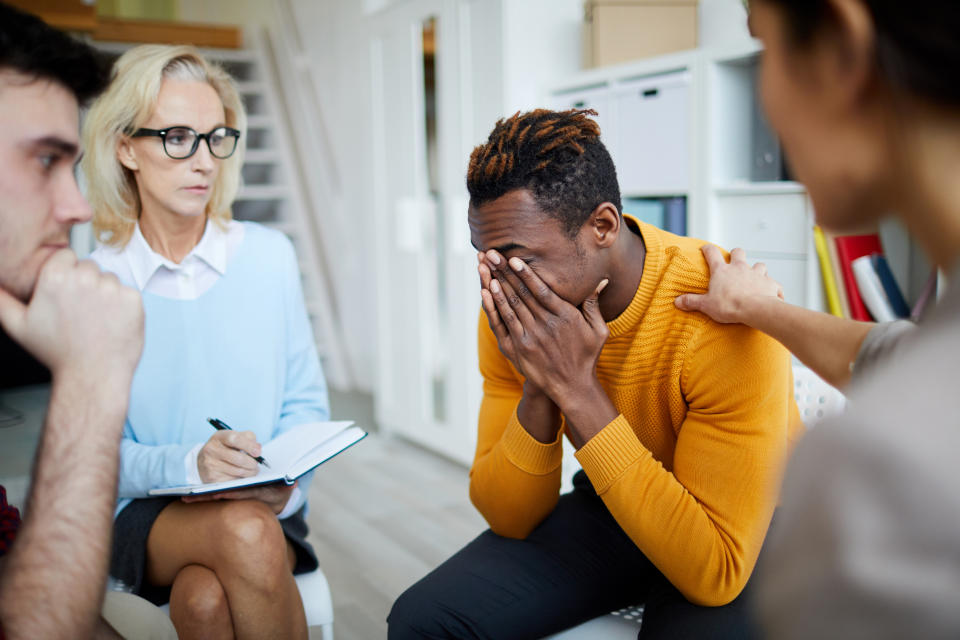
(182, 142)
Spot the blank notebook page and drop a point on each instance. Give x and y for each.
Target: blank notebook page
(286, 449)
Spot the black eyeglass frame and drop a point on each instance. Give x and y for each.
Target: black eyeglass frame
(162, 134)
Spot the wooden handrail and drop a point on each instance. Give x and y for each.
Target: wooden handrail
(159, 32)
(75, 15)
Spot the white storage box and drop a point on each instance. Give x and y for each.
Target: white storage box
(596, 98)
(652, 148)
(774, 229)
(763, 222)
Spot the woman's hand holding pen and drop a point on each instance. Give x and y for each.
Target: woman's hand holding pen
(228, 455)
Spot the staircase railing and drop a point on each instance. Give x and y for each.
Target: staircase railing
(317, 166)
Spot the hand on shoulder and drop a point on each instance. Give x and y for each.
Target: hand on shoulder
(733, 289)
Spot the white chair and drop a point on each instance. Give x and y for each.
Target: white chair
(317, 603)
(618, 625)
(816, 400)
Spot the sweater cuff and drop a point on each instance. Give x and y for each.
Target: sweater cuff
(608, 454)
(294, 502)
(526, 452)
(191, 464)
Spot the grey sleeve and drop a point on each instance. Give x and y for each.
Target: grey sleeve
(881, 340)
(862, 547)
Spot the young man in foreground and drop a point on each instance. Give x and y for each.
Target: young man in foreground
(85, 327)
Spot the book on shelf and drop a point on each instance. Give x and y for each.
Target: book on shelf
(649, 210)
(675, 215)
(890, 288)
(871, 290)
(290, 455)
(826, 271)
(669, 214)
(849, 248)
(831, 240)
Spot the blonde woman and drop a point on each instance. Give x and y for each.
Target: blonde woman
(227, 336)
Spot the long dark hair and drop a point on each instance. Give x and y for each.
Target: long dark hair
(917, 43)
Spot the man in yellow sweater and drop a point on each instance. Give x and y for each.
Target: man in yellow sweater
(682, 425)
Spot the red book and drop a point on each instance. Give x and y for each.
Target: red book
(849, 248)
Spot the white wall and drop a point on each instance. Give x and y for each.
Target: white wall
(722, 23)
(543, 43)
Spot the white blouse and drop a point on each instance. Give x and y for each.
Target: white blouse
(137, 265)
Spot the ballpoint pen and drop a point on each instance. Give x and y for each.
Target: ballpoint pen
(220, 425)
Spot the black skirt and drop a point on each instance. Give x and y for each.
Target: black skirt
(128, 558)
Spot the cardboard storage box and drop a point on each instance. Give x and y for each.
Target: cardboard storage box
(622, 30)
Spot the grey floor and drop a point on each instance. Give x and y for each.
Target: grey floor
(381, 515)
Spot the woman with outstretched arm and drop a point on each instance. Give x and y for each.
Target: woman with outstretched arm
(864, 97)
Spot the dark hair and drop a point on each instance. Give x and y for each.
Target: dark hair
(33, 48)
(917, 43)
(556, 155)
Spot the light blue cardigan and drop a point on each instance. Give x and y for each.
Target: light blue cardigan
(243, 352)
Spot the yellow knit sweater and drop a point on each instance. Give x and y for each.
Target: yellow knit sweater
(691, 467)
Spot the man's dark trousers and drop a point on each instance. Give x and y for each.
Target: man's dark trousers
(576, 565)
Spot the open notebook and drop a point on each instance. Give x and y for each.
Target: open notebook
(290, 455)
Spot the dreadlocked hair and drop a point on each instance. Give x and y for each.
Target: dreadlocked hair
(556, 155)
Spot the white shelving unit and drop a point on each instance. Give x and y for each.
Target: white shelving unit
(709, 133)
(649, 121)
(773, 221)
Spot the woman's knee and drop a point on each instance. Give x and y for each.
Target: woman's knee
(246, 526)
(251, 542)
(197, 597)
